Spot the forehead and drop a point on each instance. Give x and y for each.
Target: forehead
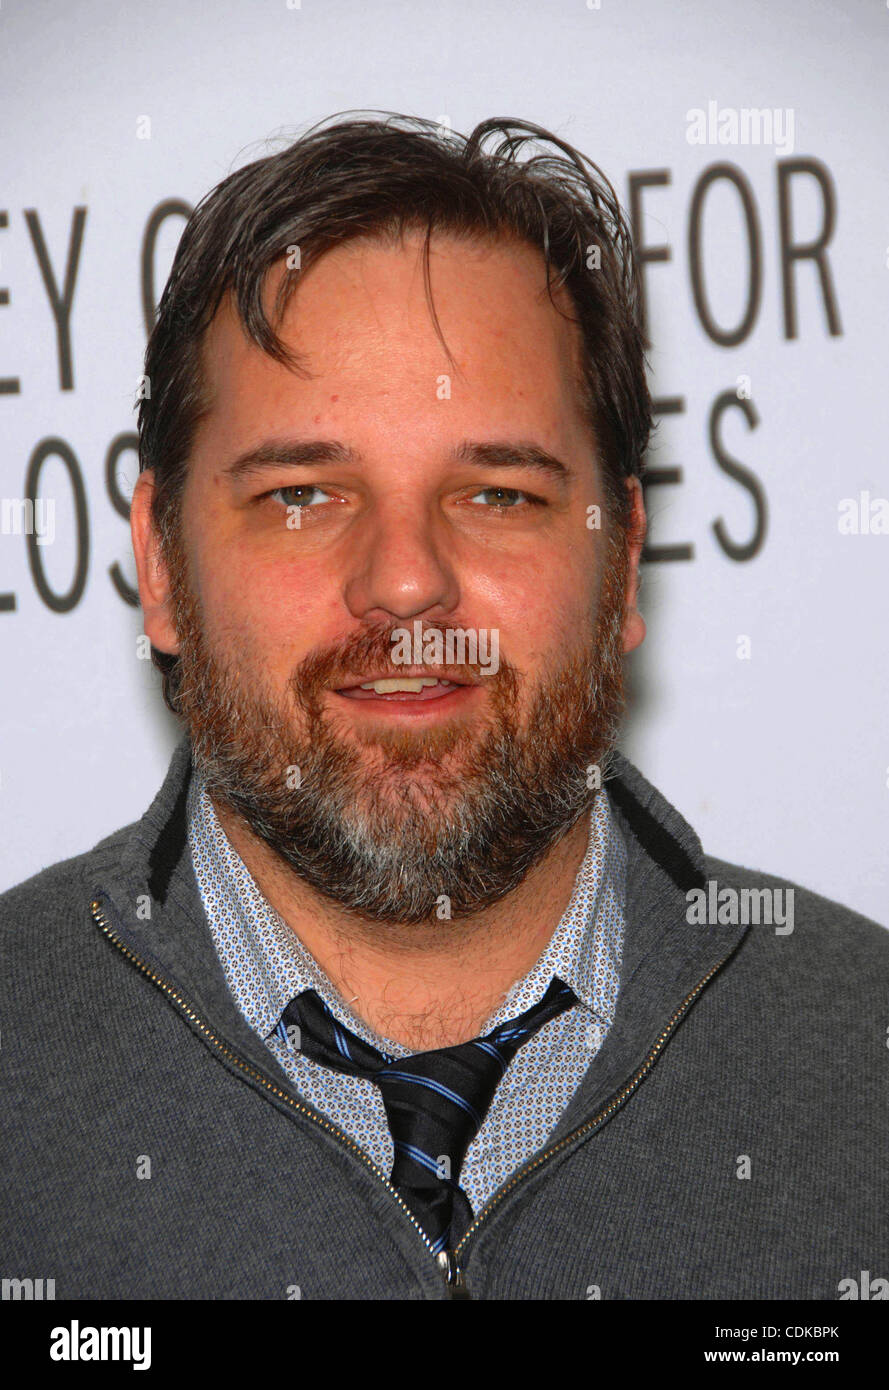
(359, 320)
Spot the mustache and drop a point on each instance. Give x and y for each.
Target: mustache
(371, 650)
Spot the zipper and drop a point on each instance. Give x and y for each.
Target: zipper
(447, 1261)
(453, 1274)
(590, 1125)
(100, 918)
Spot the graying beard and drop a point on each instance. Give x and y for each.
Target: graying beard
(372, 863)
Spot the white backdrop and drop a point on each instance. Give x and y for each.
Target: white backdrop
(776, 749)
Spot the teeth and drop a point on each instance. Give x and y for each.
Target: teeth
(389, 686)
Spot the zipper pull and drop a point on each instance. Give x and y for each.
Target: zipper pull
(453, 1273)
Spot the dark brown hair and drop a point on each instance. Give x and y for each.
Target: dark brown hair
(378, 175)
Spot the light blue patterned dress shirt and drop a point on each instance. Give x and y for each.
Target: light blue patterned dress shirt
(266, 966)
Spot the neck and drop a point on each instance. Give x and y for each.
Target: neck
(427, 986)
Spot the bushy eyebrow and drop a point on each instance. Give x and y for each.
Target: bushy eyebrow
(276, 452)
(496, 455)
(493, 454)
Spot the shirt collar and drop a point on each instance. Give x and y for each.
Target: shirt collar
(585, 949)
(258, 947)
(268, 954)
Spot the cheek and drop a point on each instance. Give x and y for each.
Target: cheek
(272, 614)
(543, 608)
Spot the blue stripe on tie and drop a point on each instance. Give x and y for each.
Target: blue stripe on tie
(507, 1034)
(341, 1041)
(442, 1242)
(490, 1049)
(424, 1161)
(433, 1086)
(338, 1034)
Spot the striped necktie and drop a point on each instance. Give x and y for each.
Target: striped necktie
(435, 1101)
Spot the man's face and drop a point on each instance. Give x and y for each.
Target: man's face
(378, 516)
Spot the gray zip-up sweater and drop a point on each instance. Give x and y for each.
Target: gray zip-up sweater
(728, 1141)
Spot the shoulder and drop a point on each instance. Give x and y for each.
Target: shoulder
(49, 899)
(802, 940)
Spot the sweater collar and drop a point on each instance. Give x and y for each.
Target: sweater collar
(267, 965)
(144, 876)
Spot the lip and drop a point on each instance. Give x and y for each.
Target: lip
(406, 703)
(409, 673)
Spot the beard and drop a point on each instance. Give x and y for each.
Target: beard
(399, 825)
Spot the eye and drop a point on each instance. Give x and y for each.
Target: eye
(505, 498)
(296, 495)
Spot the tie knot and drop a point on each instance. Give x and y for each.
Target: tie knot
(435, 1101)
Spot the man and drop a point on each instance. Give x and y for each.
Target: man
(408, 985)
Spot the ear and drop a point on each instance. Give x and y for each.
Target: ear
(634, 623)
(153, 577)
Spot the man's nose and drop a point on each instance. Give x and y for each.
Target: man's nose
(402, 563)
